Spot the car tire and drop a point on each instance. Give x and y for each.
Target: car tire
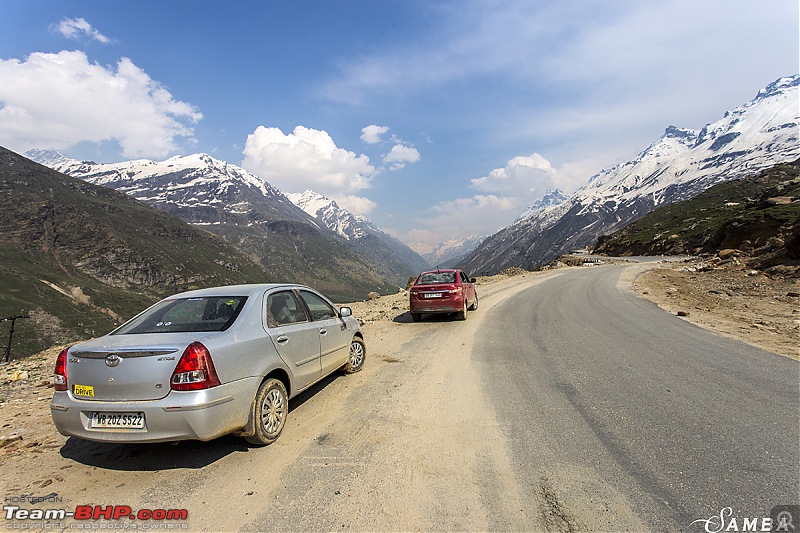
(462, 315)
(270, 410)
(474, 306)
(356, 357)
(416, 317)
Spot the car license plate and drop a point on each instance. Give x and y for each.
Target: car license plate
(117, 420)
(433, 295)
(83, 390)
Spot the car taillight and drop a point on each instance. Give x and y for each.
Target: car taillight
(457, 290)
(60, 378)
(195, 370)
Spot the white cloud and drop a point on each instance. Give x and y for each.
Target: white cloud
(59, 100)
(306, 159)
(462, 218)
(356, 204)
(523, 180)
(503, 194)
(372, 134)
(521, 175)
(399, 155)
(78, 28)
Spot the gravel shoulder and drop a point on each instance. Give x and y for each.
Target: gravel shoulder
(730, 300)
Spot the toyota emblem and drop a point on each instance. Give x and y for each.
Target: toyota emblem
(113, 359)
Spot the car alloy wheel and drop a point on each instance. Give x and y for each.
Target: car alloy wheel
(356, 357)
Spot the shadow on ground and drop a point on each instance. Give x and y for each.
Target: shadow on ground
(171, 455)
(405, 318)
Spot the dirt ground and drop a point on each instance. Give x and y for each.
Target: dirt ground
(358, 424)
(732, 300)
(36, 460)
(751, 307)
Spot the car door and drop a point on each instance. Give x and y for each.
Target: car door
(295, 337)
(333, 336)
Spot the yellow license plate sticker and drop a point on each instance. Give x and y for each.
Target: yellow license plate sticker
(83, 390)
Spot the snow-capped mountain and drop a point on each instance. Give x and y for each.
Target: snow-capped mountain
(237, 205)
(388, 254)
(551, 198)
(197, 188)
(678, 166)
(336, 219)
(48, 158)
(447, 254)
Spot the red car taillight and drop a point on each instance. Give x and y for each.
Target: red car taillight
(195, 370)
(60, 378)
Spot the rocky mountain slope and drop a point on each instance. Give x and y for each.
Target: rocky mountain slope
(678, 166)
(756, 218)
(249, 213)
(79, 258)
(386, 254)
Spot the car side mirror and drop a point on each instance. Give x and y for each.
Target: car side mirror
(473, 280)
(345, 312)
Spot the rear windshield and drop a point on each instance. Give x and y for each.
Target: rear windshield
(211, 313)
(432, 278)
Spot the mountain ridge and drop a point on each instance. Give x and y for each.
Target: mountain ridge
(70, 261)
(756, 218)
(244, 209)
(388, 255)
(678, 166)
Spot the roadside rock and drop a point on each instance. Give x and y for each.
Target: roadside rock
(5, 441)
(727, 253)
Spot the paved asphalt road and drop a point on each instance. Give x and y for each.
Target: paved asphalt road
(604, 397)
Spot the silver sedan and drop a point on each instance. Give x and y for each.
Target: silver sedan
(205, 363)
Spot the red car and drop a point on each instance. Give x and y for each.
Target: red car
(443, 291)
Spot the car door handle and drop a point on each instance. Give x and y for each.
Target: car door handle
(323, 332)
(283, 339)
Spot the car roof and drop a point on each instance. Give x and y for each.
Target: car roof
(237, 290)
(440, 270)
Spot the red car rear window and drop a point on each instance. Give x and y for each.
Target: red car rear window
(433, 278)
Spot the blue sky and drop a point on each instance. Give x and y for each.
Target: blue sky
(437, 120)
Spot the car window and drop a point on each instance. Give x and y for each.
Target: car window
(432, 278)
(464, 278)
(283, 309)
(320, 309)
(211, 313)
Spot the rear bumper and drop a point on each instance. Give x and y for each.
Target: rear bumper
(436, 306)
(193, 415)
(440, 309)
